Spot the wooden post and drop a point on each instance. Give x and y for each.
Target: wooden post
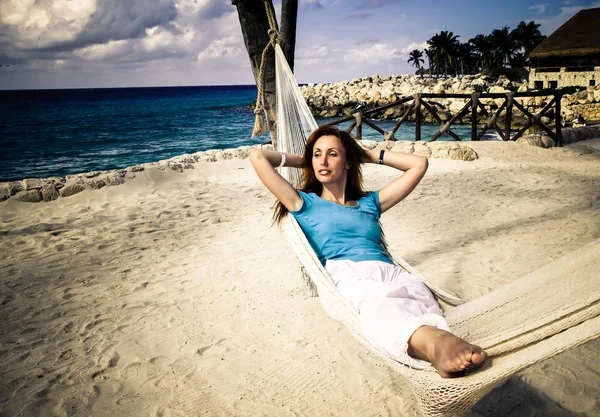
(358, 117)
(558, 120)
(508, 119)
(474, 104)
(417, 116)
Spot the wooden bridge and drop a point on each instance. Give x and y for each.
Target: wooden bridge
(481, 120)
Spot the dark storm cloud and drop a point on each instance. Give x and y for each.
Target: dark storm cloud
(119, 20)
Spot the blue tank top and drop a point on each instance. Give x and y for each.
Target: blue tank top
(342, 232)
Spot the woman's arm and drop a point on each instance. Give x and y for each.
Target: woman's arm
(414, 168)
(264, 163)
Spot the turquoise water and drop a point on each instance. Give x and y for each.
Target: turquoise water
(47, 133)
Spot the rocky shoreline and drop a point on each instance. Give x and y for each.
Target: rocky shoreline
(340, 99)
(35, 190)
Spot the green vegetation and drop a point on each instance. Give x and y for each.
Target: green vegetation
(491, 54)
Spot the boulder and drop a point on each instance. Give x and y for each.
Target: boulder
(537, 139)
(49, 192)
(404, 146)
(29, 196)
(71, 189)
(497, 89)
(14, 187)
(32, 184)
(422, 149)
(4, 191)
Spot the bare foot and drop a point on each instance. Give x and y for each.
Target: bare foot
(451, 356)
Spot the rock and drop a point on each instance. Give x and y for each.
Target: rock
(225, 154)
(385, 145)
(539, 101)
(95, 183)
(136, 168)
(49, 192)
(71, 189)
(4, 191)
(463, 153)
(242, 152)
(440, 150)
(368, 144)
(115, 178)
(91, 174)
(497, 89)
(174, 166)
(14, 187)
(183, 159)
(29, 196)
(32, 184)
(404, 146)
(422, 149)
(438, 89)
(208, 157)
(537, 139)
(456, 106)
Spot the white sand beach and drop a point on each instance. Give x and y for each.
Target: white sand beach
(170, 295)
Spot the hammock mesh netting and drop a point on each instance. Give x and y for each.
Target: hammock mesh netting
(538, 316)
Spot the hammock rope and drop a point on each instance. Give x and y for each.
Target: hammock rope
(274, 39)
(534, 318)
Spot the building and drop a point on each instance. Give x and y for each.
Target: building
(570, 56)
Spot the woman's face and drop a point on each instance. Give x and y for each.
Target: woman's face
(329, 160)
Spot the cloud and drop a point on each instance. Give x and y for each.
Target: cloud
(359, 16)
(369, 4)
(551, 24)
(222, 50)
(315, 54)
(311, 4)
(378, 52)
(414, 45)
(540, 8)
(368, 41)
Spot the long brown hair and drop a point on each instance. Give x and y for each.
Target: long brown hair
(355, 156)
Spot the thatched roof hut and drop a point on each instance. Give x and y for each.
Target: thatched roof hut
(578, 37)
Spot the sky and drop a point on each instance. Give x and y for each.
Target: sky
(134, 43)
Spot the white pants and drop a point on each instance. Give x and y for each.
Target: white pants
(391, 304)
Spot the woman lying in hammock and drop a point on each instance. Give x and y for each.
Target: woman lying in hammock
(341, 221)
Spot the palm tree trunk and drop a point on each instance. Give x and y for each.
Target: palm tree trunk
(289, 17)
(255, 27)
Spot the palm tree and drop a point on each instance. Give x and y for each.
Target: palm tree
(504, 46)
(527, 36)
(464, 57)
(430, 61)
(444, 46)
(416, 57)
(518, 60)
(482, 48)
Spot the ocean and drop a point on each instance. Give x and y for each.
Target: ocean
(46, 133)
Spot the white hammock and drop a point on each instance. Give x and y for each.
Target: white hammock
(540, 315)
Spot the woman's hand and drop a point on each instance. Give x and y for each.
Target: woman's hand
(264, 163)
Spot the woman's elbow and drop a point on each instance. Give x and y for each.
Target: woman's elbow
(254, 154)
(423, 164)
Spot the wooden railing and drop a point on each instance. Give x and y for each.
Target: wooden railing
(422, 102)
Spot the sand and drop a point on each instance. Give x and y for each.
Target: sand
(170, 295)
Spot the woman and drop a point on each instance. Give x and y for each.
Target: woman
(341, 221)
